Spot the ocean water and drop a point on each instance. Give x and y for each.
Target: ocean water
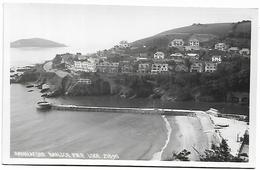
(129, 136)
(32, 55)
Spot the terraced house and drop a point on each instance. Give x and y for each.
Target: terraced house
(107, 67)
(158, 68)
(84, 66)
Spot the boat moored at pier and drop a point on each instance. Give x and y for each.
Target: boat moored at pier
(43, 105)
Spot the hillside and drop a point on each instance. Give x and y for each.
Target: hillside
(234, 32)
(35, 42)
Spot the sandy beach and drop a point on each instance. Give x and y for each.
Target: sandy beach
(194, 134)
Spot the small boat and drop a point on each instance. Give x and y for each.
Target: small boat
(43, 105)
(44, 90)
(30, 90)
(44, 95)
(29, 86)
(226, 125)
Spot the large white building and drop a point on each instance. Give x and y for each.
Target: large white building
(85, 66)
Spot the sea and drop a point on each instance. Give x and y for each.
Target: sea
(87, 135)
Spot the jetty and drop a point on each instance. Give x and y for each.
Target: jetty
(174, 112)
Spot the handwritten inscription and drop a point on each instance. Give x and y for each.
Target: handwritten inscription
(67, 155)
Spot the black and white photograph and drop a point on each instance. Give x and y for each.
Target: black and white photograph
(129, 85)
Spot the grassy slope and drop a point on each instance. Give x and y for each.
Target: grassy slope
(203, 32)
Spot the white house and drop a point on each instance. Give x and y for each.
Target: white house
(196, 67)
(192, 56)
(176, 43)
(216, 59)
(82, 57)
(194, 42)
(159, 68)
(87, 81)
(177, 57)
(158, 55)
(233, 49)
(124, 44)
(221, 46)
(85, 66)
(244, 51)
(210, 66)
(143, 68)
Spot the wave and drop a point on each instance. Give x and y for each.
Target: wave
(158, 155)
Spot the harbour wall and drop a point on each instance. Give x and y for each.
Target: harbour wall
(173, 112)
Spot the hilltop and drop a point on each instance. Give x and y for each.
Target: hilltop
(237, 33)
(35, 42)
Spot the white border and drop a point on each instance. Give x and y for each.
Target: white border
(6, 121)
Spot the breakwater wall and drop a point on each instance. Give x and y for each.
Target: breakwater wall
(174, 112)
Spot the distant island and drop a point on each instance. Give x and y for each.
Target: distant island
(35, 42)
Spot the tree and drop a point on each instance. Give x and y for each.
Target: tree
(220, 154)
(181, 156)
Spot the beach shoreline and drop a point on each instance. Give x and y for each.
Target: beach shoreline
(195, 134)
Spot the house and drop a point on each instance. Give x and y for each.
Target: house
(176, 43)
(192, 56)
(221, 46)
(194, 43)
(158, 55)
(210, 66)
(216, 59)
(159, 68)
(143, 68)
(177, 57)
(196, 67)
(81, 57)
(233, 49)
(126, 67)
(86, 81)
(181, 68)
(123, 44)
(85, 66)
(107, 67)
(244, 51)
(141, 58)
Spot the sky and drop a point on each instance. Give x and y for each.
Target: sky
(99, 27)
